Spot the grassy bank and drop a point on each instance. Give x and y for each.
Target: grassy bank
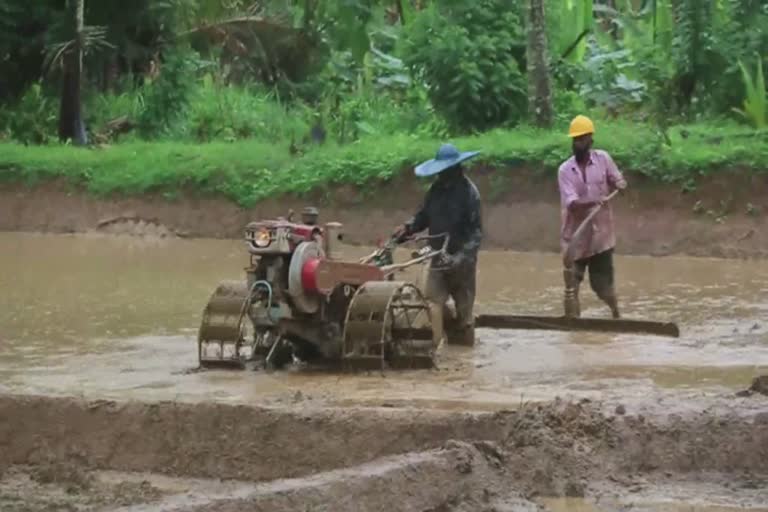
(248, 171)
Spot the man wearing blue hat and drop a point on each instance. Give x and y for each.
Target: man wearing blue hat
(452, 206)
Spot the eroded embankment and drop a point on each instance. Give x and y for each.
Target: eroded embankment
(215, 440)
(361, 459)
(724, 217)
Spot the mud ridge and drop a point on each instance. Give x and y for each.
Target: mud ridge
(211, 440)
(353, 459)
(573, 443)
(456, 475)
(725, 217)
(416, 482)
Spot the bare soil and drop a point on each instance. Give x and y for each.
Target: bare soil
(68, 487)
(56, 450)
(724, 217)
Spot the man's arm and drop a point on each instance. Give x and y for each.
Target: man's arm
(582, 204)
(475, 224)
(615, 178)
(419, 222)
(569, 195)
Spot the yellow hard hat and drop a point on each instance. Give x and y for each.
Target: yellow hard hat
(581, 125)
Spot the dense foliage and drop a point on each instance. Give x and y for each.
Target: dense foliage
(371, 83)
(470, 55)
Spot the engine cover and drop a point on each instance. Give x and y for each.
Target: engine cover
(305, 301)
(323, 276)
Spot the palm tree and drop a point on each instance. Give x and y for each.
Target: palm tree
(71, 124)
(67, 56)
(537, 58)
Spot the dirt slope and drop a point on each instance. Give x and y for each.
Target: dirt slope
(724, 217)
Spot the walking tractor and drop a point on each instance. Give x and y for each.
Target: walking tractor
(299, 298)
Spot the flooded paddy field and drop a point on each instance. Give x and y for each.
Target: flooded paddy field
(101, 408)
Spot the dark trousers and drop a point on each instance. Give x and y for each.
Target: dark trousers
(601, 273)
(601, 276)
(458, 284)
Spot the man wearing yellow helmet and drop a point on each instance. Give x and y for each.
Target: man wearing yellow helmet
(585, 180)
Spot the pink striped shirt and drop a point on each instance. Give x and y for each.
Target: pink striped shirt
(602, 177)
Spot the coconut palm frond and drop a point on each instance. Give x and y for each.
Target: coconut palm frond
(94, 39)
(253, 23)
(54, 55)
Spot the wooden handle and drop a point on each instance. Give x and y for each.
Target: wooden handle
(576, 234)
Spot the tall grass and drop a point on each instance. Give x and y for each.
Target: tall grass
(223, 112)
(215, 111)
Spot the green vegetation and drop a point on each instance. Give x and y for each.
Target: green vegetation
(756, 102)
(247, 170)
(472, 60)
(252, 98)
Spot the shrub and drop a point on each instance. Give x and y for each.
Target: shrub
(167, 98)
(33, 118)
(470, 54)
(756, 97)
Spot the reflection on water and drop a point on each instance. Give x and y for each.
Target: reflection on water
(118, 316)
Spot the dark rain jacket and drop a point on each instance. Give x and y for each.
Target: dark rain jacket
(451, 206)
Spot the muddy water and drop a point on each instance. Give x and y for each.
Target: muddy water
(580, 505)
(713, 494)
(112, 316)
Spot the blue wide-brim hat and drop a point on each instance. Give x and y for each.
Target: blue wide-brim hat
(447, 156)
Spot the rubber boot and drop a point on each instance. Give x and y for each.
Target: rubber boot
(450, 325)
(462, 336)
(571, 298)
(609, 297)
(455, 333)
(466, 336)
(438, 324)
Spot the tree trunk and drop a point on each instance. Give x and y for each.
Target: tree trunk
(71, 124)
(613, 28)
(539, 81)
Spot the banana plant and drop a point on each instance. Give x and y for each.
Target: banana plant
(577, 18)
(349, 21)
